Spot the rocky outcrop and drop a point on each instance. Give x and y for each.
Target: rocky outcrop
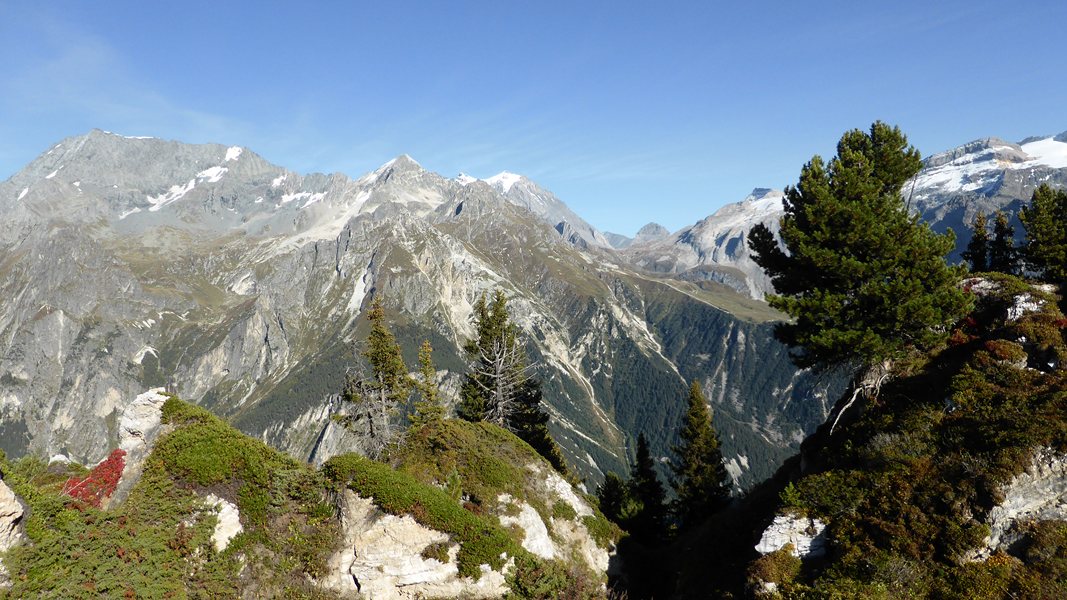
(806, 536)
(139, 427)
(11, 531)
(11, 514)
(1037, 494)
(571, 538)
(382, 558)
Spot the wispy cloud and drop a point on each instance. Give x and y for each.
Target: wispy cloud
(70, 78)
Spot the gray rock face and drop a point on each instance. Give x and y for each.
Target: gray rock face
(522, 192)
(651, 232)
(131, 264)
(1037, 494)
(617, 240)
(11, 514)
(715, 248)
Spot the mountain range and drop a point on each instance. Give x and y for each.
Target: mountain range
(129, 263)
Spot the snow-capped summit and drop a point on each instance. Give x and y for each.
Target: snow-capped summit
(520, 190)
(715, 248)
(504, 181)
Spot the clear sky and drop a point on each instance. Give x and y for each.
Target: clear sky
(629, 111)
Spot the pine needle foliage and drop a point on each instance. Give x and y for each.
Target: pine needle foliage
(380, 388)
(649, 524)
(1045, 221)
(701, 482)
(863, 280)
(428, 407)
(1003, 255)
(498, 387)
(977, 252)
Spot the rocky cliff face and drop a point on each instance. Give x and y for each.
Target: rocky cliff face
(134, 263)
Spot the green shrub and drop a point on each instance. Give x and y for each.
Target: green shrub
(563, 510)
(779, 567)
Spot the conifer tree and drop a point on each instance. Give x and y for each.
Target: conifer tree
(498, 387)
(1003, 256)
(1045, 221)
(615, 500)
(863, 280)
(428, 408)
(977, 252)
(649, 523)
(380, 387)
(701, 482)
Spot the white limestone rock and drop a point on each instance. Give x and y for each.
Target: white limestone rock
(139, 426)
(807, 535)
(229, 521)
(381, 559)
(535, 534)
(11, 514)
(1022, 305)
(1037, 494)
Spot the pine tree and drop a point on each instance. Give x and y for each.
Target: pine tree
(498, 387)
(1045, 221)
(428, 408)
(701, 482)
(649, 523)
(1003, 256)
(977, 252)
(615, 500)
(863, 281)
(380, 388)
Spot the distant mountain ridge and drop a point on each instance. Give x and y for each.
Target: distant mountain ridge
(984, 175)
(130, 263)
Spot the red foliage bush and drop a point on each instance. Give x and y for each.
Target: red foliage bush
(100, 482)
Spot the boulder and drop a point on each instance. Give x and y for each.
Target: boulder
(807, 536)
(382, 559)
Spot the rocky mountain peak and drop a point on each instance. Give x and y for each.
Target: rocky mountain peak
(651, 231)
(990, 148)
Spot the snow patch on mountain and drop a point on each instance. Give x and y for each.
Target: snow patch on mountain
(504, 181)
(233, 153)
(174, 193)
(980, 164)
(212, 175)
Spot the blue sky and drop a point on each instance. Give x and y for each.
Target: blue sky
(629, 111)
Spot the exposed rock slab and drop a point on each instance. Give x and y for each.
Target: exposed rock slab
(1037, 494)
(807, 535)
(535, 533)
(381, 559)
